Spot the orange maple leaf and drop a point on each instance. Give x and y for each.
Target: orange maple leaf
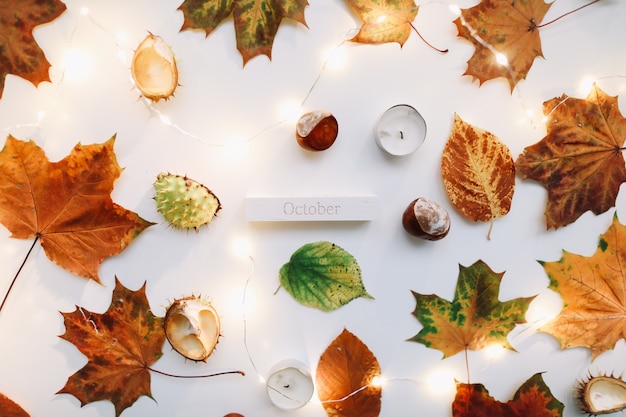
(66, 204)
(533, 398)
(509, 28)
(11, 409)
(383, 21)
(120, 344)
(593, 290)
(580, 160)
(478, 172)
(344, 378)
(19, 53)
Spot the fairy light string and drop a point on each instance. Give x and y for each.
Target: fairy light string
(168, 122)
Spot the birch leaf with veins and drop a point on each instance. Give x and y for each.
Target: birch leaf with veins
(478, 172)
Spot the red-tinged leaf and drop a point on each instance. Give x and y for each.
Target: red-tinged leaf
(19, 53)
(532, 399)
(120, 345)
(580, 160)
(66, 204)
(506, 27)
(344, 377)
(9, 408)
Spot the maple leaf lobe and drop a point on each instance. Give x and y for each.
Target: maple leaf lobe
(19, 53)
(383, 21)
(580, 160)
(120, 345)
(256, 21)
(66, 204)
(506, 27)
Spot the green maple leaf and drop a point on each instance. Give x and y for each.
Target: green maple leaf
(256, 21)
(19, 53)
(475, 318)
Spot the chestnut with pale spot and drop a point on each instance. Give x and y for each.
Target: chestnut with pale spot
(317, 130)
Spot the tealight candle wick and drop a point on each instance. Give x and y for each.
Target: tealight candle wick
(401, 135)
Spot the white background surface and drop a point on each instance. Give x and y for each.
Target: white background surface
(226, 132)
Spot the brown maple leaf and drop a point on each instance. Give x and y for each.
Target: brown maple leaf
(383, 21)
(120, 345)
(593, 290)
(344, 377)
(478, 172)
(9, 408)
(532, 399)
(502, 27)
(19, 53)
(66, 204)
(580, 160)
(256, 21)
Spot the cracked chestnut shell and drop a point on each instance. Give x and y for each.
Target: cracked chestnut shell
(154, 69)
(426, 219)
(317, 130)
(192, 326)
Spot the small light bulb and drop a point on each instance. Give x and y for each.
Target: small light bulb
(586, 84)
(40, 115)
(165, 120)
(502, 59)
(455, 9)
(241, 247)
(543, 309)
(381, 19)
(494, 351)
(334, 58)
(441, 381)
(377, 381)
(84, 11)
(290, 111)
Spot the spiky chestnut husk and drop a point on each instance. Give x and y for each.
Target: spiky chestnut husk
(602, 394)
(154, 69)
(183, 202)
(192, 326)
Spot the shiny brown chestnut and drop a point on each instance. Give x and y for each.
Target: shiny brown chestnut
(317, 130)
(426, 219)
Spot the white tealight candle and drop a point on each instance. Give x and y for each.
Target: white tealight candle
(400, 130)
(289, 385)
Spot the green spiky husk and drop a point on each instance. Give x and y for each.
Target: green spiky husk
(185, 203)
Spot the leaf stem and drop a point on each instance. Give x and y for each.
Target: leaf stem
(467, 369)
(4, 300)
(242, 373)
(443, 51)
(490, 228)
(566, 14)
